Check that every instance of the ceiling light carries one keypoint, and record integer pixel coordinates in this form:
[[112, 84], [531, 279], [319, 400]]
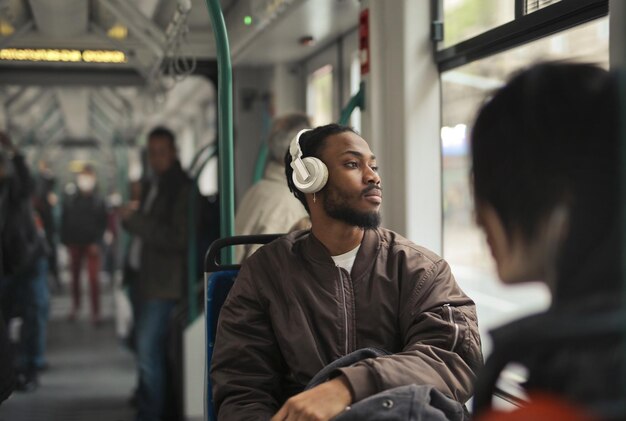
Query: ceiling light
[[118, 32], [6, 28]]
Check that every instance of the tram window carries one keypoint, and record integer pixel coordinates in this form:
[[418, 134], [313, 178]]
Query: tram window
[[186, 146], [355, 80], [531, 6], [319, 96], [207, 182], [464, 19], [463, 91]]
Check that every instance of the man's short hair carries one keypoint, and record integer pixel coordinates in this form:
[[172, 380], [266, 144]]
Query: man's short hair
[[311, 144], [550, 138], [283, 130], [163, 132]]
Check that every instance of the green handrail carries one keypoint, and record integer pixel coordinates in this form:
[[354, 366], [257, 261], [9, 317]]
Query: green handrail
[[622, 98], [225, 127], [358, 100], [192, 248]]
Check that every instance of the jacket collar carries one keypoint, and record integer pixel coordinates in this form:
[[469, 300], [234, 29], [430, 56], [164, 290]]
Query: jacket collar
[[315, 251]]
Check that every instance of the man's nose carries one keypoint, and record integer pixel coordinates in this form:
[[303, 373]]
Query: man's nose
[[371, 176]]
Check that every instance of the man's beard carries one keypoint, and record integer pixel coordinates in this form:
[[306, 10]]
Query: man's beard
[[337, 205]]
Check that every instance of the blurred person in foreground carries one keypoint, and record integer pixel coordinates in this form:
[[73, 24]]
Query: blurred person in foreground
[[23, 285], [546, 182], [268, 207], [159, 226], [7, 371], [312, 297], [83, 222]]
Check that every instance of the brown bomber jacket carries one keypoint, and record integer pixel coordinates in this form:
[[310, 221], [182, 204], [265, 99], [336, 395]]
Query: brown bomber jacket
[[292, 311]]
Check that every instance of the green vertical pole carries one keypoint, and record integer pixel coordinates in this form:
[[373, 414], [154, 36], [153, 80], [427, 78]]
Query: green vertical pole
[[357, 101], [622, 98], [225, 127], [192, 250]]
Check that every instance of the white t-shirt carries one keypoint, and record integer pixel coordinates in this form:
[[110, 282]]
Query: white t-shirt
[[346, 260]]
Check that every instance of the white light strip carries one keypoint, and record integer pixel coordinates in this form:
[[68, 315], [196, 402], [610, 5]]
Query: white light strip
[[62, 55]]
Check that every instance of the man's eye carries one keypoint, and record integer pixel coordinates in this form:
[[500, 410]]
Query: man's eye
[[374, 168]]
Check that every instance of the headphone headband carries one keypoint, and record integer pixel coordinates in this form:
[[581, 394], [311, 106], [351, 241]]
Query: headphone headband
[[309, 174], [296, 155]]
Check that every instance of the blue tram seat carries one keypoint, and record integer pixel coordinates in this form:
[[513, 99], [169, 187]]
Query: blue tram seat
[[219, 280]]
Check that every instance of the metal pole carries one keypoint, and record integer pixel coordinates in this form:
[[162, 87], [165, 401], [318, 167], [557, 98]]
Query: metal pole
[[225, 127]]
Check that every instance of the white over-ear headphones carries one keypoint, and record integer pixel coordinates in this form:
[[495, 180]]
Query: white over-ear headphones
[[309, 174]]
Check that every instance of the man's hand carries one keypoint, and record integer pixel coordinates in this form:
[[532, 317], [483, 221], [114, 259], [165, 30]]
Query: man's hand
[[318, 404], [126, 211]]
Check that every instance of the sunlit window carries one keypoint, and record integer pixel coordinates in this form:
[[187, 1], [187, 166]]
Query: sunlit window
[[463, 91], [464, 19], [319, 96], [355, 80], [531, 6]]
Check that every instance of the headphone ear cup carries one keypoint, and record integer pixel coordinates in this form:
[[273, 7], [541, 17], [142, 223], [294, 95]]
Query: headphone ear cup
[[319, 176]]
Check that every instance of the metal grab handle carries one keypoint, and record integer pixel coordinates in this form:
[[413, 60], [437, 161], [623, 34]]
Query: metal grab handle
[[210, 260]]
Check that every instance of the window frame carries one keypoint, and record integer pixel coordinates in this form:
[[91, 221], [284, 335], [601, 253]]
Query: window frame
[[523, 29]]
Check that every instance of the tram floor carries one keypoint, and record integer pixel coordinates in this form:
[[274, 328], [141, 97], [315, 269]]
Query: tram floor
[[91, 376]]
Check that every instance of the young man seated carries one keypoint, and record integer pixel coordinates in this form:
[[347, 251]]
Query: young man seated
[[314, 296], [546, 176]]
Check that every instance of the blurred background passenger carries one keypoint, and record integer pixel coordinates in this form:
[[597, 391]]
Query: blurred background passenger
[[7, 372], [546, 180], [83, 222], [45, 200], [23, 286], [269, 207], [159, 226]]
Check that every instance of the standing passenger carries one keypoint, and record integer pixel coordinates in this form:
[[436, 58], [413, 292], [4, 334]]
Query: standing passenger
[[83, 223], [314, 296], [159, 226], [268, 207]]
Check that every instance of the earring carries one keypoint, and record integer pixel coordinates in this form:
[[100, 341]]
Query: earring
[[314, 198]]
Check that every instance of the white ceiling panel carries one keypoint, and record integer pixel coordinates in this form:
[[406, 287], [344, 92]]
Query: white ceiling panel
[[61, 18]]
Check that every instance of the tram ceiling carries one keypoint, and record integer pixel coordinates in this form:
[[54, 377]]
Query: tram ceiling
[[49, 50]]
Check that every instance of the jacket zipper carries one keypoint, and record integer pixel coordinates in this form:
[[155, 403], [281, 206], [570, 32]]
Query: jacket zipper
[[456, 326], [345, 310]]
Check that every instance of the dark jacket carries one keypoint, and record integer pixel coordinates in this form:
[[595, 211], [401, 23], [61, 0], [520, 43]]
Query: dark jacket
[[405, 403], [585, 371], [163, 232], [7, 375], [292, 311], [22, 243], [84, 219]]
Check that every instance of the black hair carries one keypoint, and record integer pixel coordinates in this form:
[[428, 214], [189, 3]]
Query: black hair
[[550, 137], [311, 144], [163, 132]]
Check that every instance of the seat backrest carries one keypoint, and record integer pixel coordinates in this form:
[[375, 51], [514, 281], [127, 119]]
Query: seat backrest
[[219, 280], [218, 286]]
